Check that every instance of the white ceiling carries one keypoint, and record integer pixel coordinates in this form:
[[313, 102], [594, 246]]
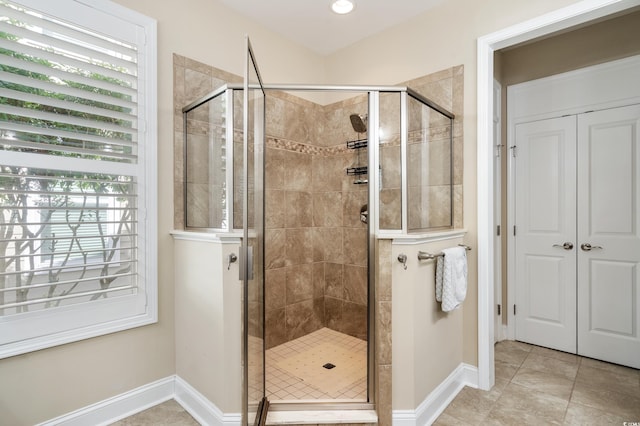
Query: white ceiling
[[313, 24]]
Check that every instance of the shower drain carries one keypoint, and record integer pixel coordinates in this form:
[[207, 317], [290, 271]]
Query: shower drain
[[329, 366]]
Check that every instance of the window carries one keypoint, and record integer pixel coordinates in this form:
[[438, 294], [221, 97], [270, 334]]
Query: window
[[81, 237], [77, 172]]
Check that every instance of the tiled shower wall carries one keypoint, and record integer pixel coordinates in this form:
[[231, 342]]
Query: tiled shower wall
[[315, 244], [191, 80], [446, 88]]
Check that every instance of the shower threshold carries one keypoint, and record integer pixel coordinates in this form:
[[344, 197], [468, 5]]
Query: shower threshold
[[316, 417], [297, 371]]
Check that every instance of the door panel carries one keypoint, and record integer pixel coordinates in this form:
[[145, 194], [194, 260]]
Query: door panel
[[611, 284], [545, 217], [546, 298], [608, 220]]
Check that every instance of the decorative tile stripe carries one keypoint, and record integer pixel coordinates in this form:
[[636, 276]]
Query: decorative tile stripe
[[302, 148]]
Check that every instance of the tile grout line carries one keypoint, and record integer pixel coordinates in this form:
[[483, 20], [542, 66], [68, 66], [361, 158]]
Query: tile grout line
[[575, 379]]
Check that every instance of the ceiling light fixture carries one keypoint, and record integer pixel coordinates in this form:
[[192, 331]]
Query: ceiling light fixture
[[342, 7]]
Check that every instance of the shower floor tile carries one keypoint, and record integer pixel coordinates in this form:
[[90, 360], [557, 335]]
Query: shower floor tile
[[294, 369]]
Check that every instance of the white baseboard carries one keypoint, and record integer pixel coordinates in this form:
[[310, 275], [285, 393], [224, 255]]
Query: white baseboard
[[118, 407], [501, 334], [129, 403], [200, 408], [436, 402], [207, 413]]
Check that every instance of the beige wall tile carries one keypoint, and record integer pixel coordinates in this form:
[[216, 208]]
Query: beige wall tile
[[354, 320], [333, 308], [319, 282], [275, 327], [301, 319], [297, 171], [390, 167], [327, 173], [274, 208], [327, 209], [275, 288], [275, 254], [299, 246], [197, 159], [299, 279], [196, 83], [355, 246], [384, 406], [355, 284], [274, 116], [383, 333], [198, 200], [328, 244], [334, 281], [274, 169], [390, 209], [298, 206], [383, 272], [352, 202]]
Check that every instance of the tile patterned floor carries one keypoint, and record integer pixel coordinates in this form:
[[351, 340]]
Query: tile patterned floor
[[314, 350], [535, 386]]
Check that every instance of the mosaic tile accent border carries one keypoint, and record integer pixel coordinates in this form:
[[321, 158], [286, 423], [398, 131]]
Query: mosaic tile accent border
[[304, 148]]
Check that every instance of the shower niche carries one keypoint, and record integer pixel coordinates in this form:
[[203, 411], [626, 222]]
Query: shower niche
[[323, 211]]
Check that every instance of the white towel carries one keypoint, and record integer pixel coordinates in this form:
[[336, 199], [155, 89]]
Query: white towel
[[451, 278]]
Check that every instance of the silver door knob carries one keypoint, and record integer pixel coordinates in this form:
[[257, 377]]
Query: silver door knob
[[589, 247], [566, 246]]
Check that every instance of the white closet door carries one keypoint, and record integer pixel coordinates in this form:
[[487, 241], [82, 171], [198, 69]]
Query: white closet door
[[545, 173], [609, 221]]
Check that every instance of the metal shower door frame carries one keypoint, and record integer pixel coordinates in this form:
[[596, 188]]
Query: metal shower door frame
[[373, 230]]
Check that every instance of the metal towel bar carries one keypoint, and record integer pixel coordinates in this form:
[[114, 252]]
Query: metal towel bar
[[423, 255]]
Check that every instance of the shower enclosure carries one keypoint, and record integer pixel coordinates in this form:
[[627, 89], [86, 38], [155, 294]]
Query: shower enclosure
[[311, 186]]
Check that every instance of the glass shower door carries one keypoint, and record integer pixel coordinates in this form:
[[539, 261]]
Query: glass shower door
[[255, 404]]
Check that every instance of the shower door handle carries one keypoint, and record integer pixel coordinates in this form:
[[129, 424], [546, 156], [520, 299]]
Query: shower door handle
[[249, 260]]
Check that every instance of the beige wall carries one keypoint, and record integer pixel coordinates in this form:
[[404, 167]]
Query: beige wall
[[427, 343], [604, 41]]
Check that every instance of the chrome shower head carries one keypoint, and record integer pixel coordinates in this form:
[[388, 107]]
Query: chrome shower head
[[359, 123]]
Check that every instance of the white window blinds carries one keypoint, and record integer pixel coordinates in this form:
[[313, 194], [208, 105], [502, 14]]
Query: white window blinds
[[66, 90], [73, 162]]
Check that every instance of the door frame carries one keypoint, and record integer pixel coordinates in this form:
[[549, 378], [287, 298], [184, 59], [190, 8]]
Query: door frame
[[247, 263], [564, 18], [498, 232], [526, 102]]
